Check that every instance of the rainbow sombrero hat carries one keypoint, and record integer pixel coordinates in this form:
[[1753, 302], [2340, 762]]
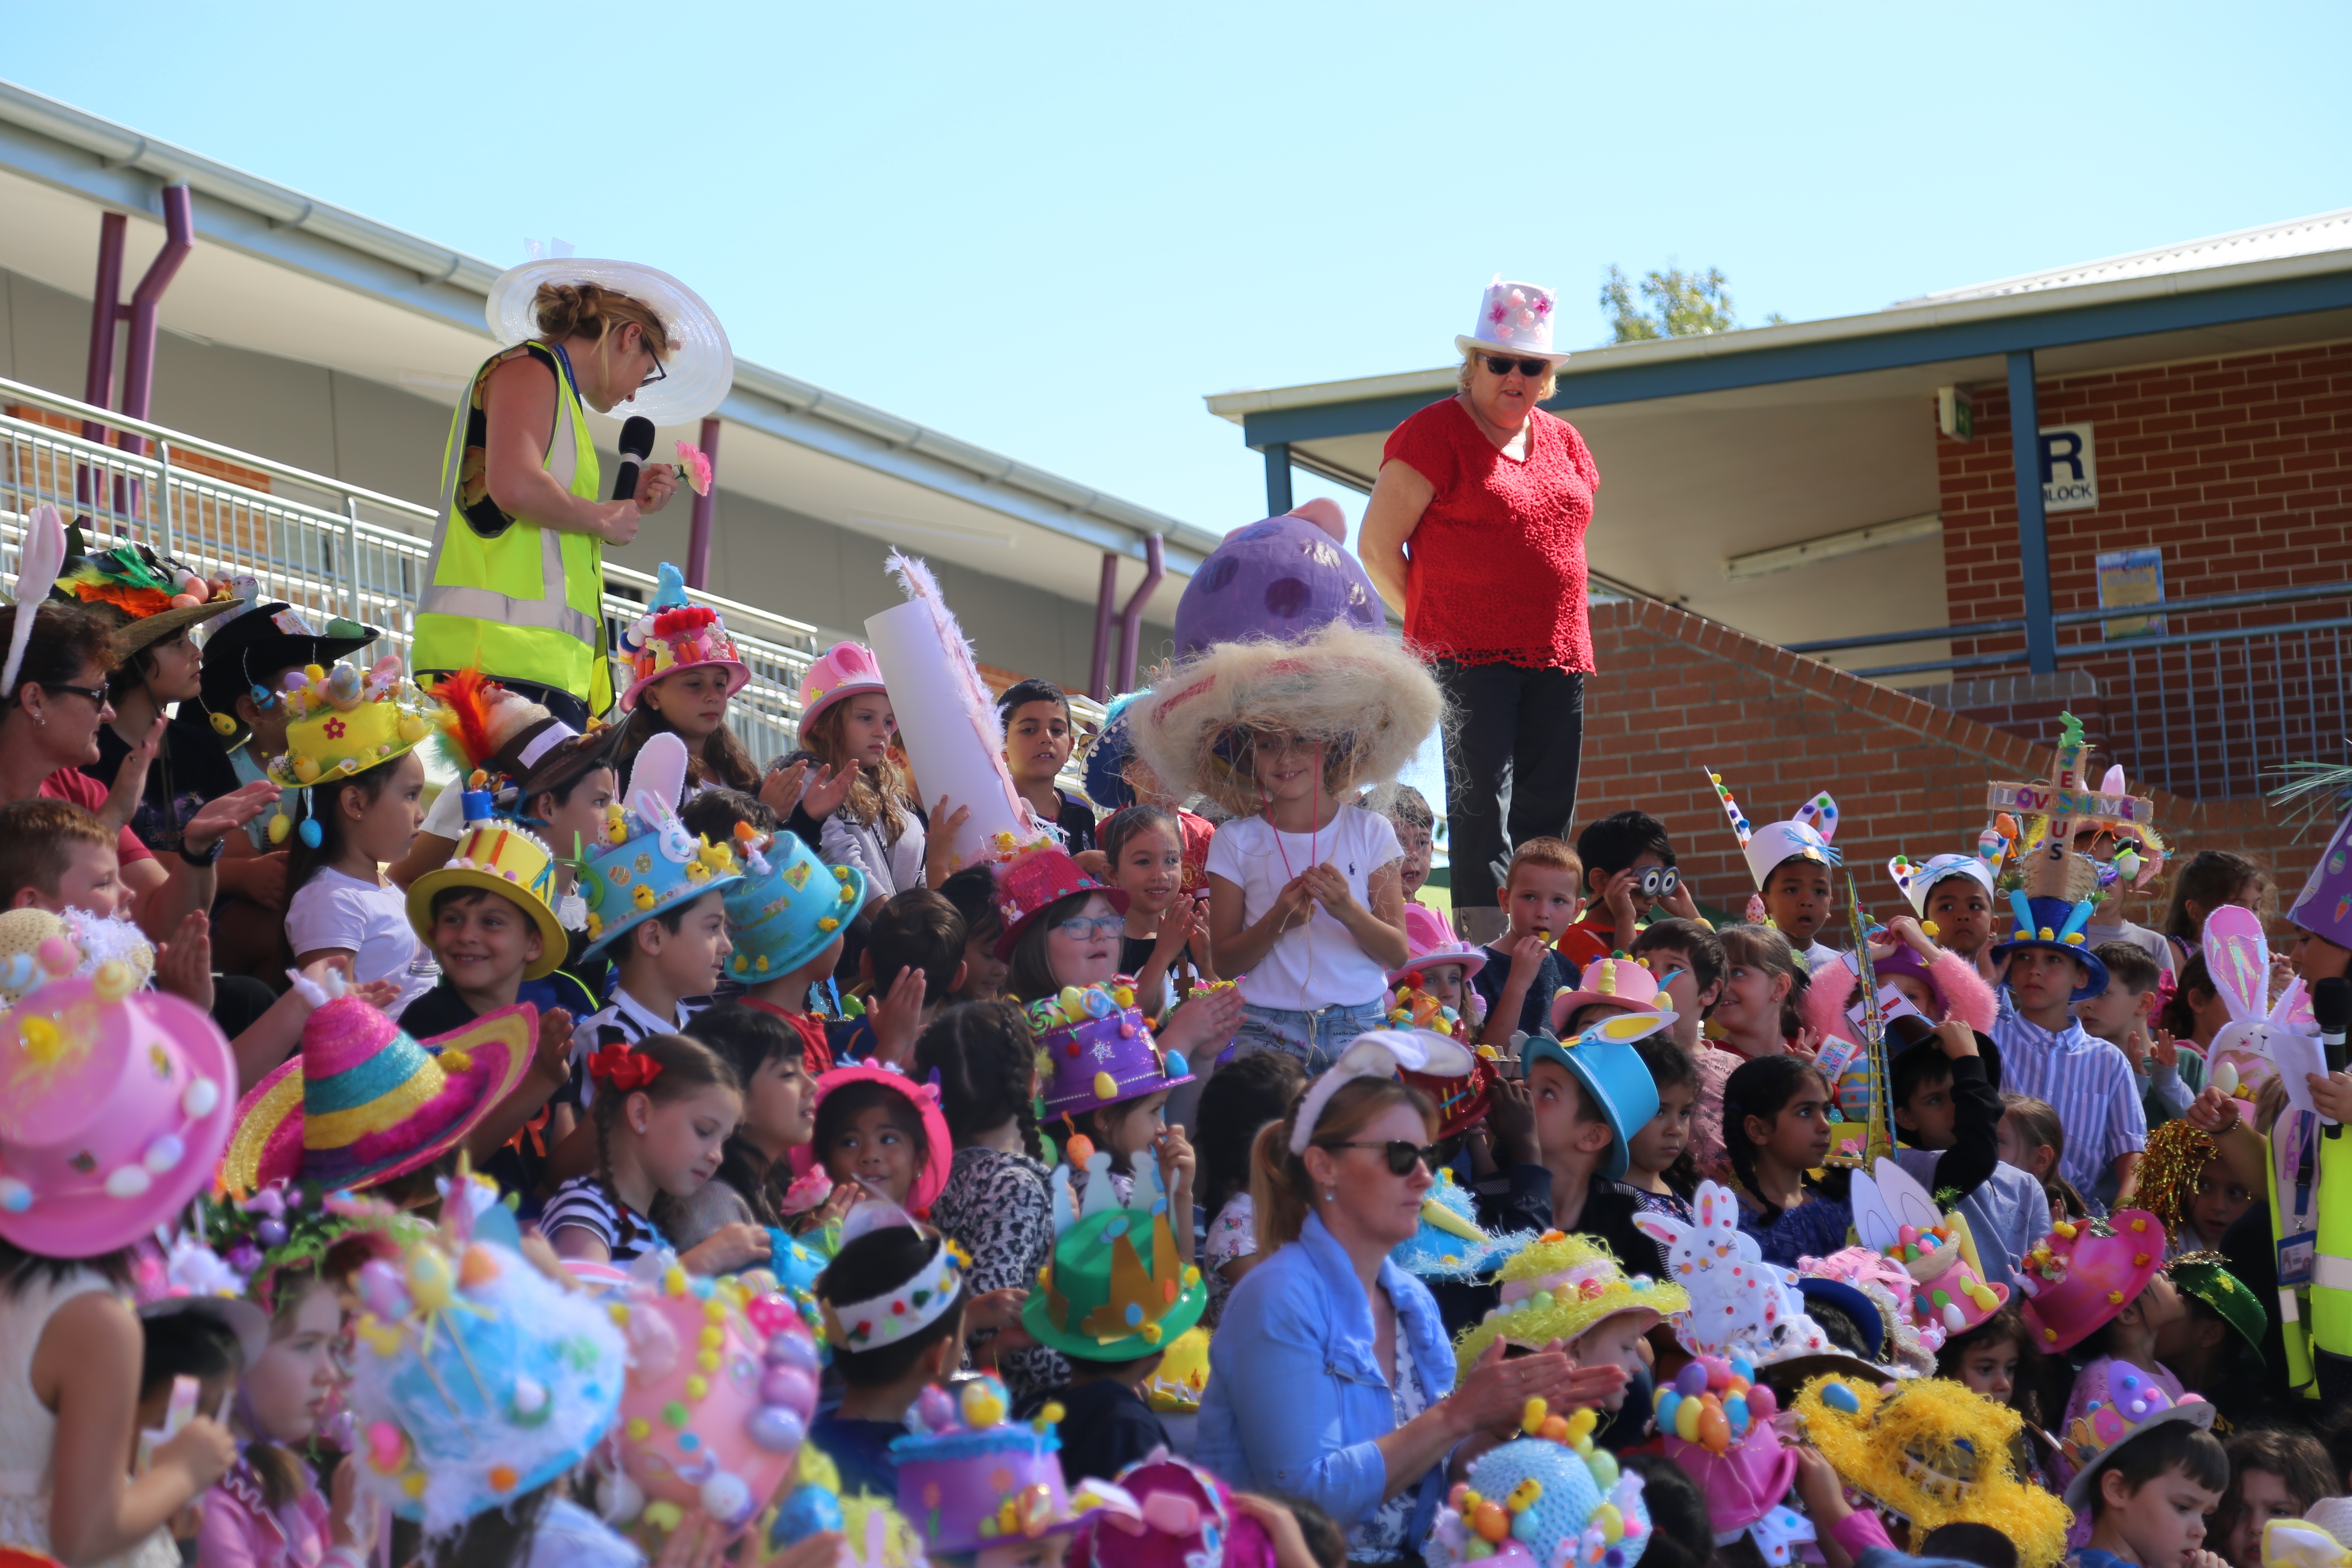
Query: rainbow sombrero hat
[[363, 1102]]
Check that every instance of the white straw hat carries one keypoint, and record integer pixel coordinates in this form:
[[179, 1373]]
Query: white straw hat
[[700, 369]]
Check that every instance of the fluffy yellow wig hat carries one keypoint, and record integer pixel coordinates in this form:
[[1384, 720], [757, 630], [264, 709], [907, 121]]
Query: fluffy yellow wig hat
[[1557, 1288], [1934, 1452]]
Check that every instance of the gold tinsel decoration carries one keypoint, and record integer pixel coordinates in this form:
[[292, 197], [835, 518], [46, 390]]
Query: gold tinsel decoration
[[2176, 1156]]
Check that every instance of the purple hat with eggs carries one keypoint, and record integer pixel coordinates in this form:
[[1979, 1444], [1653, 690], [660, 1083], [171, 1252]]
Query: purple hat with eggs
[[1281, 577], [969, 1479], [2132, 1403], [1101, 1048]]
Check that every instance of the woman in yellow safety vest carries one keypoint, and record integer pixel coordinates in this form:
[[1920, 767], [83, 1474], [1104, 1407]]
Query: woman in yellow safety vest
[[516, 582]]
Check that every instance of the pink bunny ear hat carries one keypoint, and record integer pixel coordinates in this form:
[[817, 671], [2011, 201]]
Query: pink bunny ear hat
[[2260, 1042]]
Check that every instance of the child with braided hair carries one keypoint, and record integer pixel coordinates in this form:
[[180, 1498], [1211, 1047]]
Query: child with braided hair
[[997, 1204], [662, 1112]]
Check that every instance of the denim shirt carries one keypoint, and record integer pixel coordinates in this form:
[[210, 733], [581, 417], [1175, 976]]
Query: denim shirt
[[1296, 1399]]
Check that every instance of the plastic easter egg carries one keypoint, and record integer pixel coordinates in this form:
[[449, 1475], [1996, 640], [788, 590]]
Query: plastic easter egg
[[935, 1408], [1078, 1151], [807, 1510], [310, 833], [983, 1403], [784, 1386], [692, 1416], [1692, 1380], [280, 826], [1714, 1429], [1491, 1523], [1687, 1420], [1762, 1403]]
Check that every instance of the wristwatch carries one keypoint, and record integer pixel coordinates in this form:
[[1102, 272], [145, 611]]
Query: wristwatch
[[204, 859]]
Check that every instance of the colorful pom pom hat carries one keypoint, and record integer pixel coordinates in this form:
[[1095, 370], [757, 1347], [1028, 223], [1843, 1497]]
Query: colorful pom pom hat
[[2057, 925], [1607, 1066], [969, 1479], [1034, 880], [1448, 1243], [1116, 1289], [1185, 1518], [1562, 1286], [675, 634], [844, 670], [1102, 1049], [648, 861], [2133, 1401], [1915, 880], [922, 1098], [1934, 1452], [499, 858], [1805, 837], [1617, 981], [699, 366], [1513, 318], [2086, 1271], [344, 722], [114, 1104], [1550, 1500], [789, 907], [476, 1380], [362, 1102]]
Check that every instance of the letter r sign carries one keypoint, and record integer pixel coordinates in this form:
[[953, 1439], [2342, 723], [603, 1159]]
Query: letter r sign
[[2069, 471]]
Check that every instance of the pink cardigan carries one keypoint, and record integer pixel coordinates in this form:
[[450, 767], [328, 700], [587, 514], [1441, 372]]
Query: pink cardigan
[[242, 1530]]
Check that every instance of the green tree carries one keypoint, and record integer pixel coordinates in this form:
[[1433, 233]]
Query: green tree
[[1670, 304]]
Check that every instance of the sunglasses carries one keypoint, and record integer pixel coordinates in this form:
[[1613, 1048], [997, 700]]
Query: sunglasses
[[1503, 364], [95, 693], [1080, 927], [1401, 1156]]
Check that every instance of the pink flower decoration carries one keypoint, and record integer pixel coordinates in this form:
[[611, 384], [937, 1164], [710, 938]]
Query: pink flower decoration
[[694, 467], [1498, 313], [1543, 306]]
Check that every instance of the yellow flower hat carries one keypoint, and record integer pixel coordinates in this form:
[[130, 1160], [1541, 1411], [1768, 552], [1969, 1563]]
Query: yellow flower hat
[[346, 722]]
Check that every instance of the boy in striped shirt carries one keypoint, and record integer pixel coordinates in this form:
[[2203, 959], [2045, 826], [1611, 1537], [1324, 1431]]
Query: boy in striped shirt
[[2047, 1054]]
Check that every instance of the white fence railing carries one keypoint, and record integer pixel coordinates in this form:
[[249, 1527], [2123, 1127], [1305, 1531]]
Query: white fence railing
[[326, 547]]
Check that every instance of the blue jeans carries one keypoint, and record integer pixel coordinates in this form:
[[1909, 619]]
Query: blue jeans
[[1316, 1038]]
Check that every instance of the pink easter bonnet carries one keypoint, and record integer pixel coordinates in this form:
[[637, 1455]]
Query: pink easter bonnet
[[114, 1105], [2087, 1272], [844, 670]]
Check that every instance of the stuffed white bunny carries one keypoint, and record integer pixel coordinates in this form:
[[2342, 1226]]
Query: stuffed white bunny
[[1737, 1302]]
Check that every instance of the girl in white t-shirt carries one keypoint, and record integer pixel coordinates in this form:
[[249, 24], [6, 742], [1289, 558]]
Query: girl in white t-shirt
[[339, 904], [1306, 894]]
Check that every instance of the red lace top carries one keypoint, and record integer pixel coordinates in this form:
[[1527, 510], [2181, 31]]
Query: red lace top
[[1496, 572]]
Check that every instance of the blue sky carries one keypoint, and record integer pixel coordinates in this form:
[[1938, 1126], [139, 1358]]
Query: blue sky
[[1050, 230]]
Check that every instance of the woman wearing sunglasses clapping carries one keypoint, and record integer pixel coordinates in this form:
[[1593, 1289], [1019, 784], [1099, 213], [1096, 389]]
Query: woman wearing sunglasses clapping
[[1331, 1378]]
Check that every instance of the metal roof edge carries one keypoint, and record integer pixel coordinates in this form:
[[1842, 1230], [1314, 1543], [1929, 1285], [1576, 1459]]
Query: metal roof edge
[[2020, 281], [1074, 509]]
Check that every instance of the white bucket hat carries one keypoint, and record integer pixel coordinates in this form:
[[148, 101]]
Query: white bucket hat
[[1514, 319], [700, 369]]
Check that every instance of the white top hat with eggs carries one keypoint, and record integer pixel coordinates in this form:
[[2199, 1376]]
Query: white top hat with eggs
[[1514, 319]]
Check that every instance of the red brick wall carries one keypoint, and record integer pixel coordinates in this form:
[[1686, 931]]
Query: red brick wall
[[1677, 694], [2240, 469]]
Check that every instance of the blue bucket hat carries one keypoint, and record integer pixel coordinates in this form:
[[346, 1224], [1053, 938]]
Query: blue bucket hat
[[789, 907], [2057, 925], [1604, 1063]]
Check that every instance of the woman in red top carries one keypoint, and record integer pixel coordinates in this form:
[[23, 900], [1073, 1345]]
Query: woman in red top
[[1494, 495]]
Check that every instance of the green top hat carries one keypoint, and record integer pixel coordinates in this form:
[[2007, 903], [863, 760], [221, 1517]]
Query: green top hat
[[1116, 1290]]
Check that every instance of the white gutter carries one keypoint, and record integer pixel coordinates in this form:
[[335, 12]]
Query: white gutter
[[121, 147], [1234, 405]]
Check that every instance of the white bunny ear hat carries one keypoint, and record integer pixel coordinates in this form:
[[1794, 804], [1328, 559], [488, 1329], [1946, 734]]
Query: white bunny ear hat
[[644, 862], [2257, 1034], [1738, 1303], [1378, 1053]]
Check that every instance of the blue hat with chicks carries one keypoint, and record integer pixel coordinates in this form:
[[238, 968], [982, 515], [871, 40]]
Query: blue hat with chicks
[[476, 1379], [1448, 1243], [789, 907], [2056, 925], [1549, 1500], [1607, 1068], [648, 863]]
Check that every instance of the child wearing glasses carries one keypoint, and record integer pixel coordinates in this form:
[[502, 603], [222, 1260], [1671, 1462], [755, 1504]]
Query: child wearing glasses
[[1629, 867], [1306, 892]]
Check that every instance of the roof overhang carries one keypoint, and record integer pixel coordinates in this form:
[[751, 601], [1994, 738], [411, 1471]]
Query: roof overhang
[[278, 273]]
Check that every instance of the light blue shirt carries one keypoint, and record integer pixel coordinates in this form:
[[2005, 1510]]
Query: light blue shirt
[[2086, 1081], [1297, 1399]]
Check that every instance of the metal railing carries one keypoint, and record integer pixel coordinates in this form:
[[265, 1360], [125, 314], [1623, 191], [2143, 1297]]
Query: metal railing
[[324, 546]]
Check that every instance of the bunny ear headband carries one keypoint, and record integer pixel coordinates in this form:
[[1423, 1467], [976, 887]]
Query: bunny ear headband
[[1378, 1053], [42, 556]]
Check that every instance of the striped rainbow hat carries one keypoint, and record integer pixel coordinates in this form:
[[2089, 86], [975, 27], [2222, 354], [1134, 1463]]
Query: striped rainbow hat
[[363, 1102]]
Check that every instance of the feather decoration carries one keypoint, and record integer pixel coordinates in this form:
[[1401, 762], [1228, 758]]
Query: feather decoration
[[979, 704], [126, 577], [465, 728], [39, 559]]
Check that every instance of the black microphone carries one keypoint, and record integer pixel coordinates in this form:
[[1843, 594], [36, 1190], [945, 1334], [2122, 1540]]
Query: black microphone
[[2331, 1006], [636, 445]]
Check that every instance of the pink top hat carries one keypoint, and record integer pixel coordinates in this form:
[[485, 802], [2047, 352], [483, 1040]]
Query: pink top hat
[[932, 1179], [845, 670], [1032, 882], [114, 1105], [1617, 980], [1747, 1481], [2086, 1271], [1185, 1519]]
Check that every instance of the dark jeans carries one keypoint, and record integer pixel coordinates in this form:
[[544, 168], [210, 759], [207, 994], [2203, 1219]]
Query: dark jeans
[[1510, 771], [572, 711]]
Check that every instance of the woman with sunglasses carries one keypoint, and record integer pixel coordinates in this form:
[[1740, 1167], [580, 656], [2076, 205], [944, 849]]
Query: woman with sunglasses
[[1331, 1378], [1494, 496], [516, 584], [53, 702]]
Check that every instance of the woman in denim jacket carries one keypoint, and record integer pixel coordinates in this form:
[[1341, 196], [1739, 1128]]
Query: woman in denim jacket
[[1331, 1378]]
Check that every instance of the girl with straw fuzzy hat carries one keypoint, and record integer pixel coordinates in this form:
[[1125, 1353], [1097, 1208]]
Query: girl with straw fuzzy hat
[[1306, 892]]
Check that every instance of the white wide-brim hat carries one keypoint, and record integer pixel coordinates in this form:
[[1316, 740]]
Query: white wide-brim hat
[[700, 370]]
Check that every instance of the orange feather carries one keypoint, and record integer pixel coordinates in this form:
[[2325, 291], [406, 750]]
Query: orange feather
[[466, 719]]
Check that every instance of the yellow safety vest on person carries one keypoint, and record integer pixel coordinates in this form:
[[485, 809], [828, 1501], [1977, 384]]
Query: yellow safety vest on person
[[2331, 1269], [2295, 1330], [518, 600]]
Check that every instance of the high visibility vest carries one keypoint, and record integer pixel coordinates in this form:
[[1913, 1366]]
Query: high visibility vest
[[525, 603], [2331, 1269], [2295, 1332]]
